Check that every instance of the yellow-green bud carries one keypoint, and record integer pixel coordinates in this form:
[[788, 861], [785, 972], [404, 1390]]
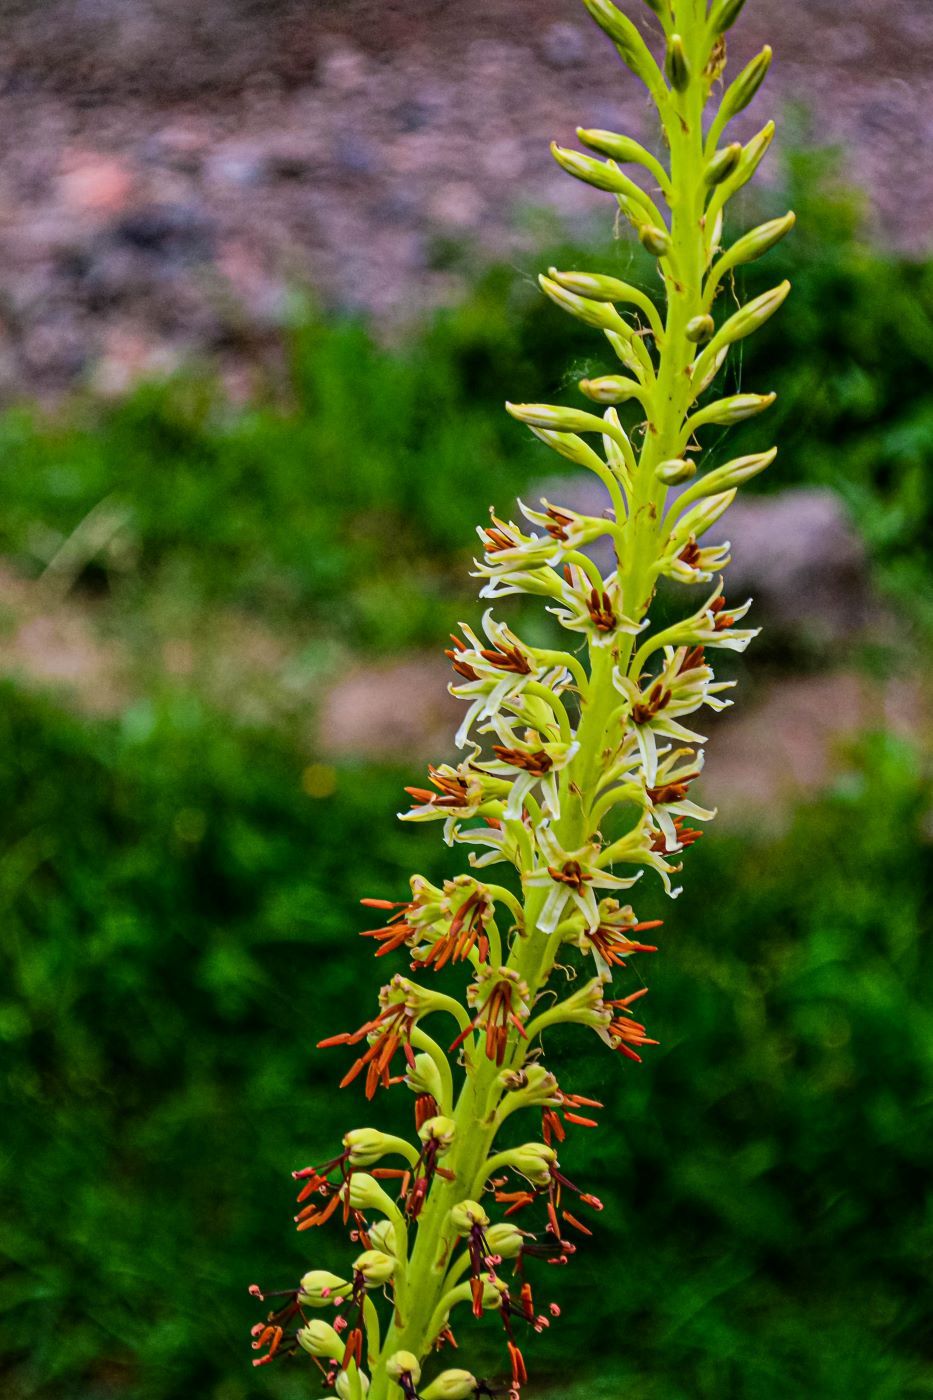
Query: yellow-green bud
[[382, 1236], [403, 1363], [595, 285], [365, 1193], [440, 1130], [735, 409], [723, 163], [318, 1338], [676, 64], [558, 419], [758, 240], [375, 1266], [505, 1239], [424, 1077], [727, 477], [590, 171], [700, 328], [591, 313], [751, 316], [344, 1386], [467, 1214], [610, 388], [631, 46], [318, 1288], [534, 1161], [451, 1385], [675, 470], [740, 93], [612, 143], [724, 15], [656, 241], [366, 1146]]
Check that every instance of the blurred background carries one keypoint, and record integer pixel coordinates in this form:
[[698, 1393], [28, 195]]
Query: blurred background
[[266, 276]]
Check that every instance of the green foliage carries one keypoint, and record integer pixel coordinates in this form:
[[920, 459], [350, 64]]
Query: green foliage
[[174, 906], [327, 505]]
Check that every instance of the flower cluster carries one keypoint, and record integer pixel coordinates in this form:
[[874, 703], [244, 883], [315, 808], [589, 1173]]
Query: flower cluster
[[574, 778]]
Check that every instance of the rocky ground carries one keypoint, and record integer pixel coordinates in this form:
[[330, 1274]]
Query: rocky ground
[[168, 171]]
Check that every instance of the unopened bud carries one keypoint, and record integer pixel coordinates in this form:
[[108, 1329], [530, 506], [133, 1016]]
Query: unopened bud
[[613, 144], [758, 241], [344, 1387], [439, 1130], [752, 315], [656, 241], [451, 1385], [723, 163], [590, 171], [318, 1288], [740, 93], [700, 328], [724, 15], [753, 153], [534, 1161], [595, 285], [464, 1216], [403, 1363], [735, 409], [365, 1193], [675, 470], [424, 1077], [727, 477], [631, 46], [375, 1266], [591, 313], [676, 64], [610, 388], [558, 419], [366, 1146], [505, 1239], [382, 1236], [318, 1338]]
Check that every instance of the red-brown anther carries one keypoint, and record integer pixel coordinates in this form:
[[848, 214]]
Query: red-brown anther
[[397, 930], [425, 1107], [693, 659], [497, 1018], [577, 1225], [600, 610], [538, 762], [353, 1351], [559, 521], [467, 930], [516, 1200], [452, 790], [645, 710], [497, 537], [477, 1288], [519, 1371], [686, 836], [614, 946], [671, 792], [393, 1026], [690, 554], [316, 1215], [462, 668], [511, 659], [570, 873], [624, 1029], [721, 619]]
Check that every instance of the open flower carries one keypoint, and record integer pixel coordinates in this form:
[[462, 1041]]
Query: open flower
[[463, 791], [596, 611], [498, 674], [571, 879], [683, 685], [528, 762], [611, 941]]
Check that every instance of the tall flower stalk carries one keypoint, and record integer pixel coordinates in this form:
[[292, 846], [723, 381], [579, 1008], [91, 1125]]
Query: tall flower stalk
[[577, 779]]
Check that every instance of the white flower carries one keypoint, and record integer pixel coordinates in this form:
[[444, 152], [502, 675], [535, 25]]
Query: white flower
[[597, 612], [684, 684], [498, 674], [570, 878], [527, 762]]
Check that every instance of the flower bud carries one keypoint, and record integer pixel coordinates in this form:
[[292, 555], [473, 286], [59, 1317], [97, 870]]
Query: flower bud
[[751, 316], [740, 93], [318, 1338], [610, 388], [753, 153], [656, 241], [440, 1130], [318, 1288], [505, 1239], [727, 477], [534, 1161], [591, 313], [365, 1193], [631, 46], [375, 1266], [595, 285], [676, 64], [675, 470], [724, 15], [366, 1146], [382, 1237], [600, 174], [344, 1387], [723, 163], [612, 144], [700, 328], [735, 409], [467, 1214], [451, 1385], [424, 1077], [403, 1363], [757, 241]]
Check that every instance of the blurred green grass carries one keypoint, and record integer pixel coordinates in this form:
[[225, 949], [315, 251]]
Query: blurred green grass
[[179, 913]]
